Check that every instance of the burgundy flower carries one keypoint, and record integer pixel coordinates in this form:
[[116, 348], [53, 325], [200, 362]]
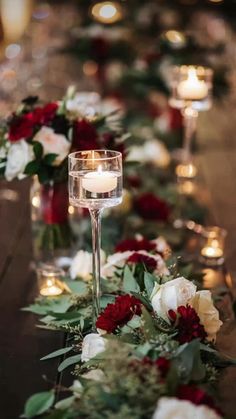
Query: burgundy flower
[[44, 115], [134, 181], [135, 244], [20, 127], [138, 258], [118, 313], [84, 136], [188, 324], [150, 207], [196, 396], [161, 363]]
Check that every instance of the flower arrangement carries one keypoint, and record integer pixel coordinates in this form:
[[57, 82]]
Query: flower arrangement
[[36, 140], [154, 338]]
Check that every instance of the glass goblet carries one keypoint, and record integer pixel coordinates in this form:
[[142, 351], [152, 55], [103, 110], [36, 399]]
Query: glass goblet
[[95, 182]]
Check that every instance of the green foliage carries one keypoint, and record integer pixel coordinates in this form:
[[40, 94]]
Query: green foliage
[[38, 403], [57, 353]]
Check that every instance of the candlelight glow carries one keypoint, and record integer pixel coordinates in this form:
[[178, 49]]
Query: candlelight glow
[[186, 171], [107, 12], [15, 16]]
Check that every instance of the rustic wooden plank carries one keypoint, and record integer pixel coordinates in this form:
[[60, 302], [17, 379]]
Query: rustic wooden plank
[[21, 344]]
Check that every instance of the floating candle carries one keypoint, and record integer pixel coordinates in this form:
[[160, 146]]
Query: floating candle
[[99, 181], [192, 88]]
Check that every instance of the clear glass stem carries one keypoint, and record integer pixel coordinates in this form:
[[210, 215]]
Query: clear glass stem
[[190, 126], [96, 215]]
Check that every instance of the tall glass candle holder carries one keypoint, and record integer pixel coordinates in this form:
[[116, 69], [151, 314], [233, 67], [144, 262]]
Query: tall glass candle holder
[[192, 93], [212, 251], [95, 182]]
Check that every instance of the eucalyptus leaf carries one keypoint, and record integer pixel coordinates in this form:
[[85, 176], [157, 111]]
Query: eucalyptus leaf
[[149, 329], [57, 353], [129, 282], [65, 403], [77, 287], [69, 361], [149, 281], [39, 403]]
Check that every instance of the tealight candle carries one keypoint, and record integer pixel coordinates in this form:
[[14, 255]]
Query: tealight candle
[[212, 251], [99, 181], [49, 280], [192, 88], [50, 289], [187, 170]]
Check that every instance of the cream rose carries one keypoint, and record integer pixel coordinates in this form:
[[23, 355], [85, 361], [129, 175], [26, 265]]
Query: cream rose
[[172, 408], [171, 295], [92, 345], [19, 155], [82, 264], [53, 143], [84, 104], [209, 315], [152, 151]]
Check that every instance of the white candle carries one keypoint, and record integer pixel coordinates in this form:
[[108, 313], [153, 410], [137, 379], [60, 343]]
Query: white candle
[[192, 88], [50, 289], [99, 181]]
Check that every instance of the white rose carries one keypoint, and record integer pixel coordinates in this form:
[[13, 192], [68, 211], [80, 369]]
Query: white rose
[[85, 104], [172, 408], [136, 154], [207, 312], [156, 152], [92, 345], [19, 155], [53, 143], [82, 264], [171, 295], [117, 260], [162, 246]]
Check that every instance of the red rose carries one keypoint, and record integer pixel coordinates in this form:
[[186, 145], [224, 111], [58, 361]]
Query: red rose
[[150, 207], [119, 313], [20, 127], [135, 244], [44, 115], [139, 258], [84, 136], [188, 324], [196, 396]]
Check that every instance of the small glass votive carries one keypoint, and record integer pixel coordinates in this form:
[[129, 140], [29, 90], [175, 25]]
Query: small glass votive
[[186, 171], [191, 86], [49, 280], [212, 251]]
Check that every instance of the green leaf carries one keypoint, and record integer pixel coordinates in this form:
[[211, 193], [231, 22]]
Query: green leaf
[[149, 329], [69, 361], [38, 404], [77, 287], [32, 168], [129, 282], [49, 158], [188, 361], [59, 352], [38, 150], [149, 281]]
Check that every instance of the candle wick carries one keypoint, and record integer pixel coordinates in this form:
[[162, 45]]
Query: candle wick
[[99, 169]]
